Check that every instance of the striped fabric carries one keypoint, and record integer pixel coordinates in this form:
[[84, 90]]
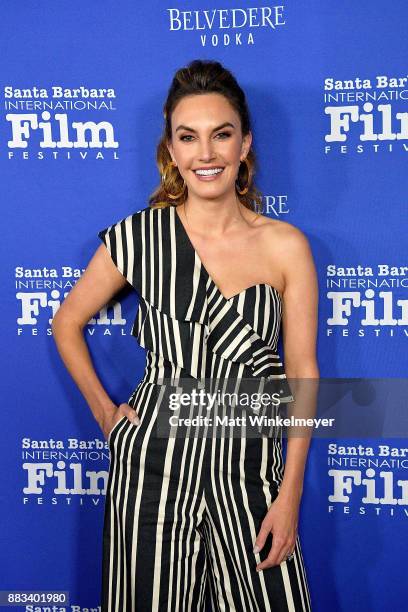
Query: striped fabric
[[183, 319], [182, 514]]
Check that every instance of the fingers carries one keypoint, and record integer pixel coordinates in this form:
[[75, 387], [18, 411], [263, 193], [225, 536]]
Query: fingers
[[281, 548], [131, 414], [134, 418], [123, 410], [260, 540]]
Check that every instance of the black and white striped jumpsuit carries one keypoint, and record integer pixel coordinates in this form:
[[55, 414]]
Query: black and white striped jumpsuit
[[182, 515]]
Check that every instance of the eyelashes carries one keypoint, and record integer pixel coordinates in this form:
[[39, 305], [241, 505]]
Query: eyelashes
[[227, 134]]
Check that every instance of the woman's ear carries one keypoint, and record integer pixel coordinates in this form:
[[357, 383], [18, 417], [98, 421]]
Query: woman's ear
[[246, 144], [170, 149]]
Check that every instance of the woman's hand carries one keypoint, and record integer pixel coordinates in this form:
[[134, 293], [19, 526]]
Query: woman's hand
[[282, 521], [112, 417]]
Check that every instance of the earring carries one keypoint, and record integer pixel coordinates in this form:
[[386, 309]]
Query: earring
[[245, 189], [169, 165]]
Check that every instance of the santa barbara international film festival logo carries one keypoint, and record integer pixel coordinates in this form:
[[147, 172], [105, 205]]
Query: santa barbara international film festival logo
[[67, 471], [366, 115], [367, 300], [40, 292], [367, 480], [223, 27], [60, 123]]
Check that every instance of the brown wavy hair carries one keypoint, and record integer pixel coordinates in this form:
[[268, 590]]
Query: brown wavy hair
[[200, 77]]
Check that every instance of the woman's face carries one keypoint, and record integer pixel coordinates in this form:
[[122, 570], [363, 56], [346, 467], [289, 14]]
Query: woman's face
[[206, 133]]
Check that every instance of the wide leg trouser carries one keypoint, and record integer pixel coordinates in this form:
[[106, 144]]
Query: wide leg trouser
[[181, 518]]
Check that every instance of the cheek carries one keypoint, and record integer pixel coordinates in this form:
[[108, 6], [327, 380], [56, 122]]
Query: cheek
[[231, 152], [185, 159]]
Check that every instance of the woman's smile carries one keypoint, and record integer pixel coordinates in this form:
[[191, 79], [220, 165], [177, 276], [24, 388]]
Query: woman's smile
[[211, 174]]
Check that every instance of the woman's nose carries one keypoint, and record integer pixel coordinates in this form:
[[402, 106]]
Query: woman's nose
[[206, 152]]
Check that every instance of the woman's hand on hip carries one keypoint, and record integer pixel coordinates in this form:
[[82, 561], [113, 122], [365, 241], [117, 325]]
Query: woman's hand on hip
[[112, 417], [281, 521]]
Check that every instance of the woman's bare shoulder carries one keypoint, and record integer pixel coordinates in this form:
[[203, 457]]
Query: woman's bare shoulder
[[276, 232]]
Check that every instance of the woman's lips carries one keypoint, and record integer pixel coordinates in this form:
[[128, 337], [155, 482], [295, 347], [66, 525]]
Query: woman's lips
[[208, 177]]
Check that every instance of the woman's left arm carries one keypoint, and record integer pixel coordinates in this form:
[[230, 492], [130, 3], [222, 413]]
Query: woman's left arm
[[299, 329]]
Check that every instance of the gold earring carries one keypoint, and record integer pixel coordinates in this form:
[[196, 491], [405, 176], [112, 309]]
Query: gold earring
[[169, 165], [245, 189]]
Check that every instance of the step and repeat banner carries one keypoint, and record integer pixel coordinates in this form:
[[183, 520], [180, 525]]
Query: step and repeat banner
[[83, 85]]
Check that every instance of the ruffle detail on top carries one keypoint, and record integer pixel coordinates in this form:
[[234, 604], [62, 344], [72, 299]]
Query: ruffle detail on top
[[182, 315], [187, 343]]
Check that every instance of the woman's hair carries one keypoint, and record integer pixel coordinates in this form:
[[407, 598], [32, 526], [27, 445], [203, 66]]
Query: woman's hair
[[201, 77]]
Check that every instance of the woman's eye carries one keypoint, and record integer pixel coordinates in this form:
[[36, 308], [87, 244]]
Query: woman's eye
[[188, 136]]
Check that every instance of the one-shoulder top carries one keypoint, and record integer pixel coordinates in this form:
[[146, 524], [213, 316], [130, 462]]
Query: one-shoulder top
[[189, 328]]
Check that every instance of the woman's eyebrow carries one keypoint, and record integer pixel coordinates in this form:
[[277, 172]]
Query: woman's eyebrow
[[189, 129]]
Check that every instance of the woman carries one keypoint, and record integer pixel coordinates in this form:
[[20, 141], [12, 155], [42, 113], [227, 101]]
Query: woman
[[215, 515]]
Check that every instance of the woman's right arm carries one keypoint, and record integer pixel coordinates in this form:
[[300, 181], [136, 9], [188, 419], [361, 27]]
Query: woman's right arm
[[98, 284]]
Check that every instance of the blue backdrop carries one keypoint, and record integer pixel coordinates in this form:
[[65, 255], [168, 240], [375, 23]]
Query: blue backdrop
[[327, 87]]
